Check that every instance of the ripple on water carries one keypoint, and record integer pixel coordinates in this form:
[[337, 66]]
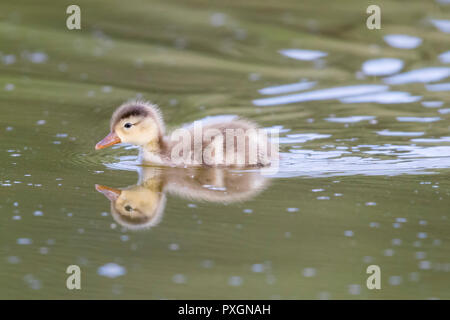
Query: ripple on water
[[382, 67], [292, 87], [445, 57], [432, 104], [423, 75], [438, 87], [418, 119], [441, 25], [399, 133], [351, 119], [302, 137], [323, 94], [432, 140], [402, 41], [389, 97], [405, 159], [302, 54]]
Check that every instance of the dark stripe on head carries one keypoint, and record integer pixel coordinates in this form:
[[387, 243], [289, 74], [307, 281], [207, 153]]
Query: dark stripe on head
[[132, 111], [128, 111]]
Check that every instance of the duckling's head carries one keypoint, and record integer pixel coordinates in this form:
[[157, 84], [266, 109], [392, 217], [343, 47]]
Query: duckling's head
[[135, 122], [138, 207]]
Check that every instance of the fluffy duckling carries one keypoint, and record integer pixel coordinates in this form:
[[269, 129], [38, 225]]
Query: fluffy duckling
[[201, 144], [142, 206]]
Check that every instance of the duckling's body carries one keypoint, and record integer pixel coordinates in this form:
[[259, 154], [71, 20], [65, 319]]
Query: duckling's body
[[232, 142]]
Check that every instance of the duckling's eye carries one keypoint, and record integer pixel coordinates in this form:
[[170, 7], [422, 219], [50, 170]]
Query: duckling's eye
[[128, 208], [128, 125]]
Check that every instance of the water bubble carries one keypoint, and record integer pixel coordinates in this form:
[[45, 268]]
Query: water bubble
[[354, 289], [258, 267], [38, 57], [424, 265], [207, 264], [111, 270], [34, 283], [24, 241], [235, 281], [348, 233], [422, 235], [179, 278], [395, 280], [309, 272], [218, 19], [420, 255], [9, 87], [13, 259], [8, 59]]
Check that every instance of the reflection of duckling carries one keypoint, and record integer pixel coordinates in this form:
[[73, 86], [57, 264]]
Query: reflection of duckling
[[142, 205], [141, 123]]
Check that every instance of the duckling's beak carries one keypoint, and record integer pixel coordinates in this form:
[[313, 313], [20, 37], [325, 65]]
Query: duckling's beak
[[109, 140], [111, 193]]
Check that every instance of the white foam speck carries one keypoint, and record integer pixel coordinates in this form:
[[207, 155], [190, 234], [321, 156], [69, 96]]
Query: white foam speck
[[235, 281], [382, 67], [258, 267], [24, 241], [309, 272], [418, 119], [111, 270], [399, 133], [9, 87], [432, 104], [445, 57], [351, 119], [285, 88], [179, 278], [442, 25], [438, 87], [354, 289], [402, 41], [322, 94], [301, 54], [423, 75], [38, 57]]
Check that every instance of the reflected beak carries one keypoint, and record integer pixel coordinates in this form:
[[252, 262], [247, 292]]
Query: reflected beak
[[111, 193], [111, 139]]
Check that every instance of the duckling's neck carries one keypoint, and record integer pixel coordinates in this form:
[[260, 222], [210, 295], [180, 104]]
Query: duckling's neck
[[153, 146], [153, 152]]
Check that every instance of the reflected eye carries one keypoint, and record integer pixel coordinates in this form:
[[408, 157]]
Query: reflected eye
[[128, 125], [128, 208]]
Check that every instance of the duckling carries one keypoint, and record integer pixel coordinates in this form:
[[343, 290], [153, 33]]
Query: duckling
[[141, 206], [234, 143]]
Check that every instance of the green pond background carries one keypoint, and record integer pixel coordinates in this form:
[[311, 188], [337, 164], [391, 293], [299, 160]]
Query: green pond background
[[350, 199]]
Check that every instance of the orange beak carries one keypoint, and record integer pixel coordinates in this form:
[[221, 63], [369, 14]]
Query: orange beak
[[111, 193], [111, 139]]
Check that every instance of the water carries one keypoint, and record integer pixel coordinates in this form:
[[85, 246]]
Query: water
[[364, 134]]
